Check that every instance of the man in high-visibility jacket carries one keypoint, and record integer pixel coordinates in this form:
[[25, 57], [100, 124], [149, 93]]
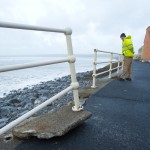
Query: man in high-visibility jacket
[[128, 52]]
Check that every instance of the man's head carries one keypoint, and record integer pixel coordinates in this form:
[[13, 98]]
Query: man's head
[[122, 36]]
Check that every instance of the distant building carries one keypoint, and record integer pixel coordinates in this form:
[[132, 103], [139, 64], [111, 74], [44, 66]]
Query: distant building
[[140, 52], [145, 50]]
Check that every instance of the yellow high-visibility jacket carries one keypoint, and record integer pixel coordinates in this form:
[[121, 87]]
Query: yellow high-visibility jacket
[[127, 47]]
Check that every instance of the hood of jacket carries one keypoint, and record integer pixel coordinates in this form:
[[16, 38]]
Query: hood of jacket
[[128, 37]]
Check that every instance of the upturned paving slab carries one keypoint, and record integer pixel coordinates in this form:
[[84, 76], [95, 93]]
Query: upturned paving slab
[[55, 123]]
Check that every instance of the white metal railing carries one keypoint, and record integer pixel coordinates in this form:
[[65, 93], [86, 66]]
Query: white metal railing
[[70, 59], [110, 63]]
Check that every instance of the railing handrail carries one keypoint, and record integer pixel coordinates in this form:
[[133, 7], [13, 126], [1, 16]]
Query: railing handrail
[[106, 52], [110, 68], [31, 65], [103, 62], [71, 59], [31, 27]]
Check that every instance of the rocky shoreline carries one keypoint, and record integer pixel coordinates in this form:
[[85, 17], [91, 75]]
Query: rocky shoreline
[[18, 102]]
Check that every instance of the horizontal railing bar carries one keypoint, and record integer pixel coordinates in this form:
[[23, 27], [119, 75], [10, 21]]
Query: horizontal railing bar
[[114, 68], [30, 27], [31, 65], [34, 110], [105, 62], [102, 73], [107, 52], [106, 71], [102, 62]]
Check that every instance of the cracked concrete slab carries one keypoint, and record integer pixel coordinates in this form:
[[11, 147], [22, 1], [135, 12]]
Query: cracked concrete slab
[[55, 123]]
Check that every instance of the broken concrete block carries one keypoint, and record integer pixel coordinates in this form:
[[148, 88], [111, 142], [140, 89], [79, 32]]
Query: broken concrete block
[[55, 123]]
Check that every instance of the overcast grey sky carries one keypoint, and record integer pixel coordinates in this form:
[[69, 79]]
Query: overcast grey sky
[[95, 24]]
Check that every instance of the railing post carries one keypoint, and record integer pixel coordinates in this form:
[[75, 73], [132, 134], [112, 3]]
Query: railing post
[[110, 69], [119, 59], [94, 69], [122, 59], [74, 83]]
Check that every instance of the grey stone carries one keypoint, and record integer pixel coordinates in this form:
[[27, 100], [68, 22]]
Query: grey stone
[[23, 113], [37, 101], [43, 98], [55, 123], [23, 104], [5, 111], [28, 106], [14, 101], [3, 122]]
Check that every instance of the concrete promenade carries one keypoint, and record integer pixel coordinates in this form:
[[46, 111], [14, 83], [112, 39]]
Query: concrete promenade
[[120, 119]]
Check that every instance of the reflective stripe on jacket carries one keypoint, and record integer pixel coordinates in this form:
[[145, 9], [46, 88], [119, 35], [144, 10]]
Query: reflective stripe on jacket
[[127, 47]]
